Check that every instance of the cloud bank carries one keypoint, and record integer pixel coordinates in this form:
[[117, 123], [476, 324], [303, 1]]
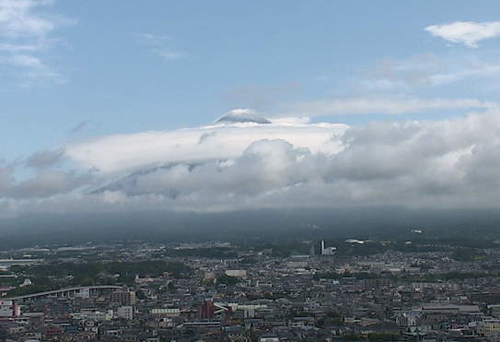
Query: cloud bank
[[282, 164], [223, 140]]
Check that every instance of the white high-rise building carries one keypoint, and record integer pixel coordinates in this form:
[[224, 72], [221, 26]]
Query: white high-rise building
[[327, 250]]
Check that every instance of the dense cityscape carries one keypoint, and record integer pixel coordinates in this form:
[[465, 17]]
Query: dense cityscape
[[220, 291]]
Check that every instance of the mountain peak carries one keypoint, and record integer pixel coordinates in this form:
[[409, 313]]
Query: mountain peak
[[242, 116]]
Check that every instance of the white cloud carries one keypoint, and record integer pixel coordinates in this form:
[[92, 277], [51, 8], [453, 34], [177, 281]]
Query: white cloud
[[118, 153], [382, 105], [426, 70], [153, 39], [481, 70], [17, 19], [26, 61], [231, 166], [32, 70], [450, 163], [466, 32], [26, 30], [389, 74], [160, 45], [9, 47], [171, 55]]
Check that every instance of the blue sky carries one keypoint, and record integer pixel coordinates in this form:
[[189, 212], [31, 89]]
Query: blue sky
[[75, 71], [119, 84]]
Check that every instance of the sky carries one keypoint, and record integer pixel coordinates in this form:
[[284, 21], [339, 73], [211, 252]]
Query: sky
[[229, 105]]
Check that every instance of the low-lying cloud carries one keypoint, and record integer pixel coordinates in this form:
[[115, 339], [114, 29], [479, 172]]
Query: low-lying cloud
[[222, 167], [125, 152], [44, 159], [43, 185]]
